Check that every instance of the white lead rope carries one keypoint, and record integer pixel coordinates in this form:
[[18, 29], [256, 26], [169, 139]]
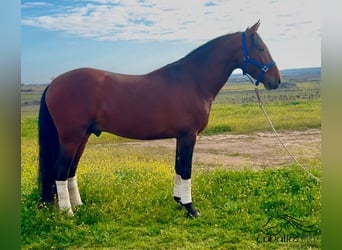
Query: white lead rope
[[277, 135]]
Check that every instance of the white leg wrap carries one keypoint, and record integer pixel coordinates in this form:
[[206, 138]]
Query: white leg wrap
[[74, 194], [177, 186], [186, 191], [63, 197]]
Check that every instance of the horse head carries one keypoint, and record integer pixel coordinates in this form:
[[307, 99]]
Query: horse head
[[257, 60]]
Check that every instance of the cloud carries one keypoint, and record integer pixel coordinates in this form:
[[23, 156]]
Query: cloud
[[194, 20], [34, 4]]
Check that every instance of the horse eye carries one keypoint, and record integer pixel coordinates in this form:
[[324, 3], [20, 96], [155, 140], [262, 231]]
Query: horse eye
[[261, 49]]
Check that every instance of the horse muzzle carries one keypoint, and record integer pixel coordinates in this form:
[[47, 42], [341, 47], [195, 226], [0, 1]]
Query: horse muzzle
[[272, 84]]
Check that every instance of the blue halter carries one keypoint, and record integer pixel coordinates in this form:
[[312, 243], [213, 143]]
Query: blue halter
[[247, 59]]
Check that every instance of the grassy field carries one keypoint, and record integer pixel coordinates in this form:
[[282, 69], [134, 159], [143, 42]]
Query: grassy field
[[128, 193]]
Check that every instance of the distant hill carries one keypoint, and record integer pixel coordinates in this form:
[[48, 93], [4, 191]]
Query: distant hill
[[287, 75], [300, 75]]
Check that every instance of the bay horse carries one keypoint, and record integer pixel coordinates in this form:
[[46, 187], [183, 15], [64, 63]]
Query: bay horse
[[171, 102]]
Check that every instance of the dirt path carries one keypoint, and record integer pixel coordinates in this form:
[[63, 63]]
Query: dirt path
[[257, 151]]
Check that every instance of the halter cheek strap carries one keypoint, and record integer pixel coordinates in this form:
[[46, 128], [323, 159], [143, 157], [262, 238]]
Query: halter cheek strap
[[247, 59]]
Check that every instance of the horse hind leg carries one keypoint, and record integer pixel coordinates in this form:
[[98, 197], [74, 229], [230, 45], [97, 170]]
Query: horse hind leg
[[63, 197], [75, 197], [66, 157]]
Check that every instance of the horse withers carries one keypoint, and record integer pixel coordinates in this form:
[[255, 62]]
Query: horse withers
[[171, 102]]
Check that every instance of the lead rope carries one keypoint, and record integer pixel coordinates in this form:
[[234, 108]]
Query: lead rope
[[277, 135], [279, 139]]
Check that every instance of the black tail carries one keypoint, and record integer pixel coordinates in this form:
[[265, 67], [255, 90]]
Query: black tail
[[48, 151]]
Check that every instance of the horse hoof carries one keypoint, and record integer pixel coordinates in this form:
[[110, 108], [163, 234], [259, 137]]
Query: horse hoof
[[67, 212], [192, 212], [194, 215]]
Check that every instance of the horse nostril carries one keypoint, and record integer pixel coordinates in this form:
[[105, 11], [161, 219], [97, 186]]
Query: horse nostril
[[279, 81]]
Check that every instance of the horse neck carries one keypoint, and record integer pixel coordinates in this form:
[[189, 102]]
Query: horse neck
[[208, 67], [214, 65]]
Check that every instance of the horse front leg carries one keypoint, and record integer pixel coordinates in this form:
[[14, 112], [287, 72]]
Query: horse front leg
[[182, 181]]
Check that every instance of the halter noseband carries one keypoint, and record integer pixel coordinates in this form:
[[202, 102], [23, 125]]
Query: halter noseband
[[247, 59]]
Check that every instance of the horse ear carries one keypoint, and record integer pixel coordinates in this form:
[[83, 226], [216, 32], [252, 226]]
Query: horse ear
[[255, 27]]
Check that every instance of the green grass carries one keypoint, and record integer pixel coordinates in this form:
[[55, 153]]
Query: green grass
[[127, 195], [248, 118], [128, 204]]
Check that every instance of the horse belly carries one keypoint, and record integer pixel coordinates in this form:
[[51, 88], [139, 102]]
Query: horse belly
[[153, 118], [136, 125]]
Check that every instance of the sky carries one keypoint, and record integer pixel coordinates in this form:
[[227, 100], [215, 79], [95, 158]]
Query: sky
[[138, 36]]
